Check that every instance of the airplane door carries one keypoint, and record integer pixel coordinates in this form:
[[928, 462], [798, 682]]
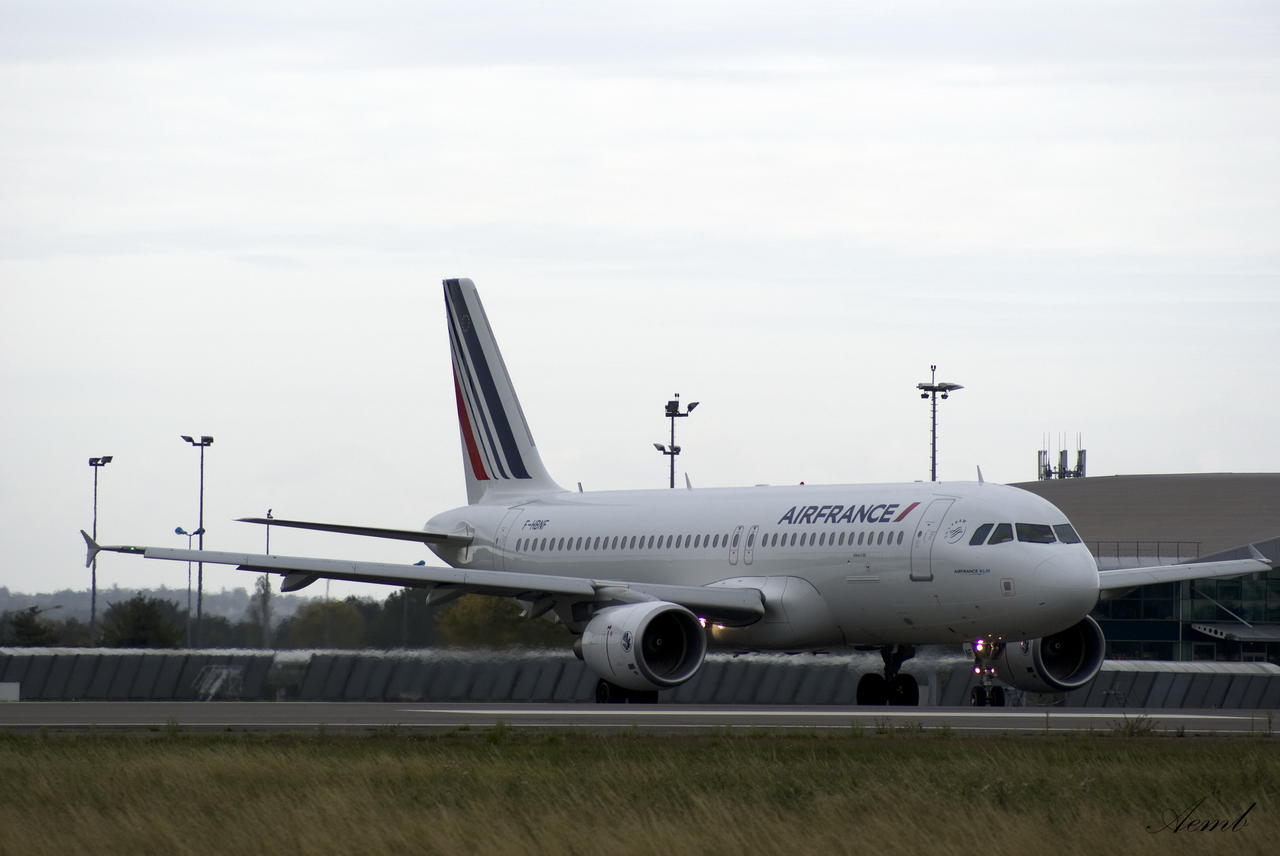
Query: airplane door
[[748, 552], [926, 534], [509, 525], [733, 546]]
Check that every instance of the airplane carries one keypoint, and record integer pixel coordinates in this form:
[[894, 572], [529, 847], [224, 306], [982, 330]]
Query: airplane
[[649, 580]]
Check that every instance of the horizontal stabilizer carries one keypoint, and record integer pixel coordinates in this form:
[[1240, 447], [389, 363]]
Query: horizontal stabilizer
[[422, 536]]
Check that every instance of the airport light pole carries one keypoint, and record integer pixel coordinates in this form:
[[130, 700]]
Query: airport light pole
[[97, 464], [673, 413], [203, 443], [930, 390], [180, 531]]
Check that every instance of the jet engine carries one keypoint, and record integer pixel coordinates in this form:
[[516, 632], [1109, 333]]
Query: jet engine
[[1054, 664], [644, 646]]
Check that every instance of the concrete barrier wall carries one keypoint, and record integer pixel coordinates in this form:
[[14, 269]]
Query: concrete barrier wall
[[555, 676]]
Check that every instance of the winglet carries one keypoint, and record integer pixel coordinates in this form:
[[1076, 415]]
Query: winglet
[[980, 481], [687, 484], [93, 547], [1256, 555]]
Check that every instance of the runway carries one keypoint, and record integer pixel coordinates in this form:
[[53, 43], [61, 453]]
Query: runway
[[374, 717]]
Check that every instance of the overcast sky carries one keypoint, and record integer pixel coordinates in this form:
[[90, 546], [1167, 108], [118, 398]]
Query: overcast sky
[[233, 219]]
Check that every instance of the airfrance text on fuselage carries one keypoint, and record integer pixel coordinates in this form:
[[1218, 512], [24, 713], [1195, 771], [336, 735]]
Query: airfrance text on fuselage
[[815, 514]]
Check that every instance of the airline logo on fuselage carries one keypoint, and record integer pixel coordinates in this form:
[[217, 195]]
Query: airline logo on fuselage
[[822, 514]]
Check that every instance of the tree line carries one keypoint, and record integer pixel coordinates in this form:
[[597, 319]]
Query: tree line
[[402, 620]]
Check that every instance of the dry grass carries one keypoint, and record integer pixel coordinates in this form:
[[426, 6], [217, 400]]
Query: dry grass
[[515, 792]]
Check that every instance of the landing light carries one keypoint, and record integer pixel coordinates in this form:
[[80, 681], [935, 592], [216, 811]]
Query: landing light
[[702, 622]]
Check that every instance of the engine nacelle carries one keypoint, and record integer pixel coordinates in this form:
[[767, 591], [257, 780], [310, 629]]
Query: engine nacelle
[[644, 646], [1055, 664]]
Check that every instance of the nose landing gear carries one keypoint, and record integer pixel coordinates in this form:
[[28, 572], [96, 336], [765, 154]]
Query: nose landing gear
[[985, 694], [892, 687]]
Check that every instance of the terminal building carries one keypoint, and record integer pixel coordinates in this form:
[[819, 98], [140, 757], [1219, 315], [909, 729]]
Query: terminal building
[[1143, 520]]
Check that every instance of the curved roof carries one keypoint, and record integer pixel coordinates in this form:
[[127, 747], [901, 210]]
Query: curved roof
[[1220, 510]]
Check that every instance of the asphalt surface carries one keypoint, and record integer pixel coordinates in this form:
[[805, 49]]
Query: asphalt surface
[[369, 717]]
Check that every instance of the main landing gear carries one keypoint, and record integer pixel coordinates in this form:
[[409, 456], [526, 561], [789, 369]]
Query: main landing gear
[[986, 694], [607, 693], [892, 687]]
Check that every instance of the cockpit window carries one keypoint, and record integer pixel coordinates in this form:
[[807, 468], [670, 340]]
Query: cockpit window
[[980, 534], [1004, 532], [1036, 533], [1066, 534]]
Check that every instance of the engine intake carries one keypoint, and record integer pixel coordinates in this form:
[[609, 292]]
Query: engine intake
[[1054, 664], [644, 646]]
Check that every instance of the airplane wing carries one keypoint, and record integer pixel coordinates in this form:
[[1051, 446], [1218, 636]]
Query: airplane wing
[[720, 604], [1115, 583], [424, 536]]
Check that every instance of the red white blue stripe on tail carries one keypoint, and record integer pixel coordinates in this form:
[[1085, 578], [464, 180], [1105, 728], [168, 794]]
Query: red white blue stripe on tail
[[498, 449]]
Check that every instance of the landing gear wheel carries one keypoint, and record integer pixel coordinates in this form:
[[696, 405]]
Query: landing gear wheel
[[607, 693], [995, 697], [904, 691], [978, 698], [873, 689]]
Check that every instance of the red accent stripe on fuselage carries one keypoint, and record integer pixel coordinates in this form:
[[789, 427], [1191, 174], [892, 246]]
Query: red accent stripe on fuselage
[[905, 512]]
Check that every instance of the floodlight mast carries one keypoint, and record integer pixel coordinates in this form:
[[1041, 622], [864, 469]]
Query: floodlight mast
[[930, 390], [203, 443], [673, 413], [97, 464]]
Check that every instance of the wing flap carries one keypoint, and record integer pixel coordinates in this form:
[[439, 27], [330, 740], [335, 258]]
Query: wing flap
[[716, 603]]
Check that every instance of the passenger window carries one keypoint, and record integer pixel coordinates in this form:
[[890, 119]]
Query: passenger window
[[1035, 533], [822, 542], [751, 539], [860, 534], [615, 542], [716, 542], [841, 539], [1066, 534], [597, 546], [678, 537], [1003, 533], [774, 542], [579, 547], [980, 534], [697, 541], [736, 536], [880, 540], [900, 534]]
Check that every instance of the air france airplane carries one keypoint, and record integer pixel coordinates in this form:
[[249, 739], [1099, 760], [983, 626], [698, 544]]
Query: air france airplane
[[649, 580]]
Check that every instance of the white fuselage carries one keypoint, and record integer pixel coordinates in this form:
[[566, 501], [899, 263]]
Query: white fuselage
[[839, 565]]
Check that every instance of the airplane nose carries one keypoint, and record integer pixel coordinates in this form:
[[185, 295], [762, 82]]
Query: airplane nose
[[1069, 571], [1070, 580]]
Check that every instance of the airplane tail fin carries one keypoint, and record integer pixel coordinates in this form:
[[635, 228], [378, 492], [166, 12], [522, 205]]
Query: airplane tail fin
[[499, 456]]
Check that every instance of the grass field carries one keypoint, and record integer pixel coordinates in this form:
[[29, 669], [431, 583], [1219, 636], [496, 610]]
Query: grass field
[[504, 791]]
